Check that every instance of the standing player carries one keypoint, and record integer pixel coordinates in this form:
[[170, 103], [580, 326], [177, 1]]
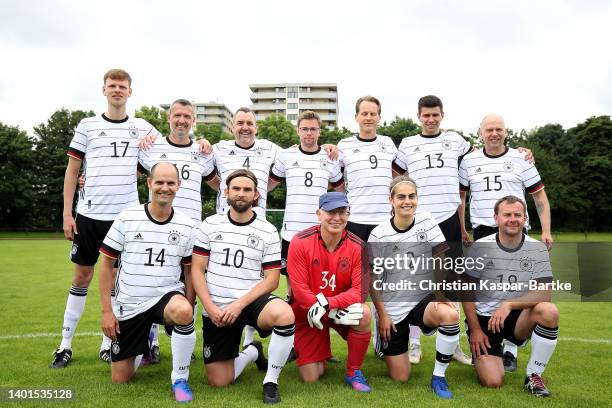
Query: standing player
[[515, 314], [432, 160], [108, 146], [367, 161], [497, 171], [153, 241], [420, 236], [325, 266], [237, 266], [308, 172], [179, 149], [494, 172]]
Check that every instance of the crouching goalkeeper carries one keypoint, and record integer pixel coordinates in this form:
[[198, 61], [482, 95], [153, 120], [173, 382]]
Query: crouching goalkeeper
[[329, 286]]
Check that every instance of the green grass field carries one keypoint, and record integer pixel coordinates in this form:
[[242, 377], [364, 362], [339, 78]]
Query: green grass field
[[36, 275]]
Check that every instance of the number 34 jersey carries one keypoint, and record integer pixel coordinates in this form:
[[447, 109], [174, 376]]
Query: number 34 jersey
[[239, 253], [341, 275], [151, 256], [109, 149]]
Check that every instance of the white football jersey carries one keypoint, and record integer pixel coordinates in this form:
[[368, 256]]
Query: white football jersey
[[368, 173], [307, 176], [433, 163], [489, 178], [192, 167], [109, 150], [151, 256], [421, 240], [259, 159], [239, 253], [530, 261]]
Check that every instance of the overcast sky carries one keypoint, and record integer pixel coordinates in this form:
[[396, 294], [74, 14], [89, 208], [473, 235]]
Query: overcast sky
[[534, 62]]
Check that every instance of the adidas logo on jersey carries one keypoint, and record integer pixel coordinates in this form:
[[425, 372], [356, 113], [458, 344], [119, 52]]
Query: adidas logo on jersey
[[219, 238], [102, 133], [232, 153], [138, 237], [356, 151], [296, 164], [478, 170], [163, 156], [416, 149], [490, 263]]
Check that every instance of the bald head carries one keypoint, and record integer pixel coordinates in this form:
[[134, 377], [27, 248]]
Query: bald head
[[164, 168], [492, 118], [493, 133]]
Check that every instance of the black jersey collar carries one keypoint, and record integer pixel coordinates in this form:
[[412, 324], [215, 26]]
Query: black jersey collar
[[244, 148], [153, 220], [171, 143], [490, 156], [241, 224], [310, 153], [115, 120], [400, 230], [366, 140], [506, 249], [431, 136]]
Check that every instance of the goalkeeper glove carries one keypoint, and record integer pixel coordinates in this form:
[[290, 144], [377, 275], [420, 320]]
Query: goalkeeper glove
[[348, 316], [317, 311]]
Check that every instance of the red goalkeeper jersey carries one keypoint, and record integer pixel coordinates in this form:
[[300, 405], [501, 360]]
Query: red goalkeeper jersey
[[340, 275]]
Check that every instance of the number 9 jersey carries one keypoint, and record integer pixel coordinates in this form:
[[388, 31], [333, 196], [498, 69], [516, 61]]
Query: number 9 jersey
[[342, 275]]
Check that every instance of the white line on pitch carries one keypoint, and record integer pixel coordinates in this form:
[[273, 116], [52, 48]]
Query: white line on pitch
[[96, 334]]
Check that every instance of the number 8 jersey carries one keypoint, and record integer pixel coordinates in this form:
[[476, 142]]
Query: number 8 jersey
[[109, 149]]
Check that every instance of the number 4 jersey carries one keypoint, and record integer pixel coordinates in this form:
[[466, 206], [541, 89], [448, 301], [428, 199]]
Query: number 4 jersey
[[151, 256], [109, 150]]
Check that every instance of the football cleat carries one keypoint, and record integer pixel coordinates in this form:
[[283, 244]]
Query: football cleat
[[415, 354], [61, 358], [461, 357], [154, 354], [440, 387], [181, 390], [358, 382], [105, 356], [262, 361], [535, 385], [270, 393], [333, 360], [509, 362]]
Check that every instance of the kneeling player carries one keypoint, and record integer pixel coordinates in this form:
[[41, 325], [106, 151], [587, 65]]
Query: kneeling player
[[325, 265], [509, 311], [237, 266], [153, 240], [396, 310]]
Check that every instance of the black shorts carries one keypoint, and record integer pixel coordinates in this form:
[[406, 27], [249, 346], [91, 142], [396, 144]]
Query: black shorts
[[482, 231], [284, 255], [223, 343], [361, 230], [398, 344], [86, 245], [134, 333], [496, 339], [451, 228]]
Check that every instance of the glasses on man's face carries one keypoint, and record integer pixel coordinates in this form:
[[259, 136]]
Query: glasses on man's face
[[343, 213], [307, 129]]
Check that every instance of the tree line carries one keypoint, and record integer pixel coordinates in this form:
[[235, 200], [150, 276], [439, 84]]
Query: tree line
[[574, 164]]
